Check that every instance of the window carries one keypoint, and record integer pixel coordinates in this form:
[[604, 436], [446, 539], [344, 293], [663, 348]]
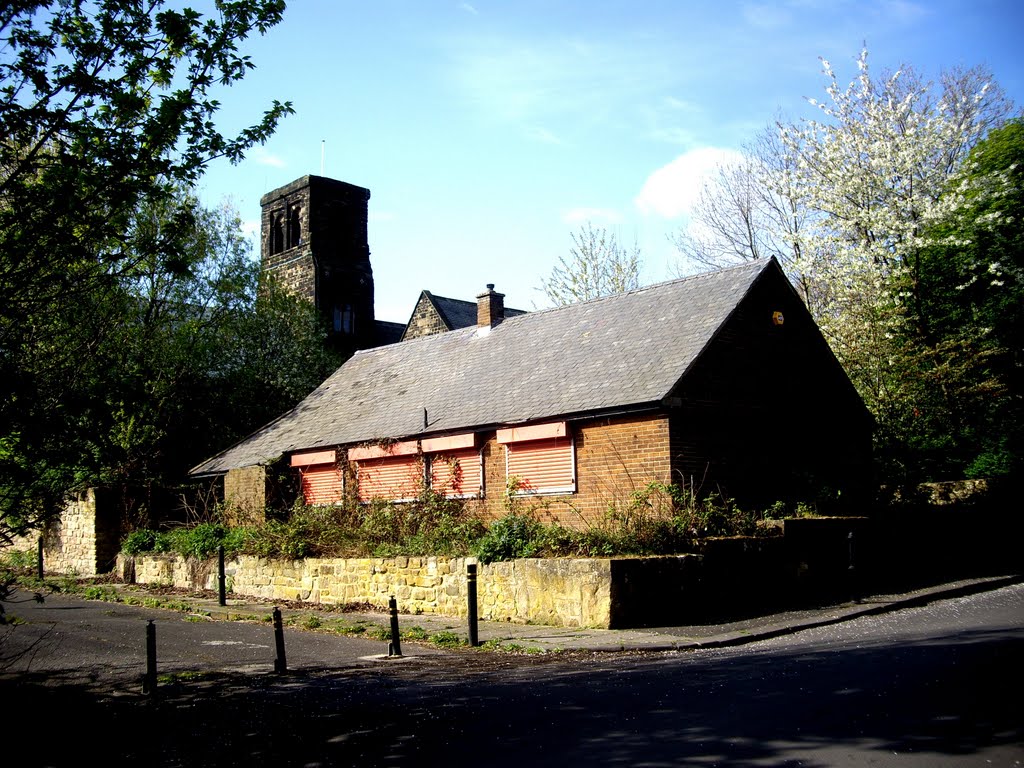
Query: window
[[344, 320], [541, 457], [455, 467], [294, 226], [321, 480], [393, 472], [276, 232]]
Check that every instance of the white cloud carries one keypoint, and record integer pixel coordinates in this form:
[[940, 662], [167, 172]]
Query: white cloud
[[671, 190], [469, 9], [260, 155], [583, 215]]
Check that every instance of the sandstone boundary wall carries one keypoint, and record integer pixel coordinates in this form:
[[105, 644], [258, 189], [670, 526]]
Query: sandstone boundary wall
[[556, 591]]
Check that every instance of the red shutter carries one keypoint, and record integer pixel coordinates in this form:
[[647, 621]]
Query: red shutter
[[542, 466], [467, 482], [395, 478], [321, 484]]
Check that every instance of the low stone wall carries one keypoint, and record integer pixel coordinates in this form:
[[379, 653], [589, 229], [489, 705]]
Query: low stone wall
[[557, 592]]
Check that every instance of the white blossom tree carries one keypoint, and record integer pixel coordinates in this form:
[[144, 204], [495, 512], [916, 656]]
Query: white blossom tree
[[873, 176], [852, 203], [597, 265]]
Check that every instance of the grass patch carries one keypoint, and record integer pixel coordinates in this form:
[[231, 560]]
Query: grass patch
[[448, 639]]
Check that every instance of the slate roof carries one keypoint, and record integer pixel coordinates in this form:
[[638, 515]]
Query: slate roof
[[388, 332], [614, 353], [457, 313]]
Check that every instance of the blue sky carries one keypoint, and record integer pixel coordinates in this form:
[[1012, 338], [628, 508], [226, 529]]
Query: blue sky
[[488, 132]]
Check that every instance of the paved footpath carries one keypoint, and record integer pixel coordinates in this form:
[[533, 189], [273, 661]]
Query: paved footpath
[[531, 637]]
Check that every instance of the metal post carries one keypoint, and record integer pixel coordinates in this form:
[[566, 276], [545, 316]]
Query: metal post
[[149, 681], [851, 568], [280, 664], [39, 559], [395, 649], [471, 597], [222, 598]]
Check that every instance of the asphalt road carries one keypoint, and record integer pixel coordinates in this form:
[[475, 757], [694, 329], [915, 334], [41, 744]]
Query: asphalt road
[[938, 685], [105, 643]]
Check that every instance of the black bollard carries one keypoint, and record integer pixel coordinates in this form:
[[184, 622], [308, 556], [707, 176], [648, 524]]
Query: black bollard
[[280, 664], [222, 598], [149, 681], [395, 649], [471, 597], [851, 570], [39, 560]]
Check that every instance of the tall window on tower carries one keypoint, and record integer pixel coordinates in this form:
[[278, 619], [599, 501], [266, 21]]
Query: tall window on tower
[[294, 226], [344, 319], [276, 232]]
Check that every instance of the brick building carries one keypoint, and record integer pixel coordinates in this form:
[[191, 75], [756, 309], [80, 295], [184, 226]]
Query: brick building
[[721, 380]]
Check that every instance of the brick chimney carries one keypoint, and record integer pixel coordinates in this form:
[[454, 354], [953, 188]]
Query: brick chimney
[[490, 308]]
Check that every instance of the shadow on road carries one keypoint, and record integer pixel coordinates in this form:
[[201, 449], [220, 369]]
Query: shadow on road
[[944, 698]]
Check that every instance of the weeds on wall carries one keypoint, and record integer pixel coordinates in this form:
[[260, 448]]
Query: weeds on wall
[[659, 519], [432, 525]]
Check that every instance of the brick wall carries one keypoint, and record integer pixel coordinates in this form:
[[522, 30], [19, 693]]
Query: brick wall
[[614, 458], [245, 495]]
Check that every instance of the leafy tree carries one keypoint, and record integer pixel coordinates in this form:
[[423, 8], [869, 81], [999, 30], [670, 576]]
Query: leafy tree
[[202, 356], [597, 265], [106, 110], [873, 177], [971, 310], [741, 216], [853, 205]]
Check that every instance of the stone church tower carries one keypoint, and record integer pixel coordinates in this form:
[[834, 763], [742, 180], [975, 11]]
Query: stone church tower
[[314, 243]]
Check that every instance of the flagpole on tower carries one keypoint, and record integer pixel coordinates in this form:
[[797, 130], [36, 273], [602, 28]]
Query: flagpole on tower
[[323, 151]]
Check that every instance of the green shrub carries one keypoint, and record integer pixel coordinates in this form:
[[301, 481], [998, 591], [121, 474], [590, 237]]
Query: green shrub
[[513, 536], [142, 540], [658, 519], [200, 541], [18, 559]]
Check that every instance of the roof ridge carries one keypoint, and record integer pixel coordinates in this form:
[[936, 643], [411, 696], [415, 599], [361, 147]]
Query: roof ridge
[[753, 265]]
